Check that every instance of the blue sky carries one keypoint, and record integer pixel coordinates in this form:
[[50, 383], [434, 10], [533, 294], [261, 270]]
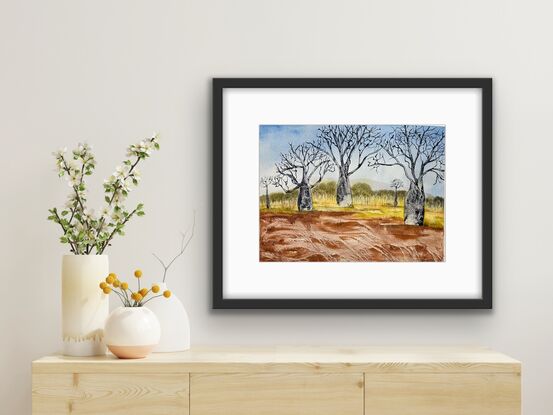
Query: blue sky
[[275, 139]]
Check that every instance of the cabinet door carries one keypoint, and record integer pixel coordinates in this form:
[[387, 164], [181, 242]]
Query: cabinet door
[[110, 394], [442, 394], [276, 394]]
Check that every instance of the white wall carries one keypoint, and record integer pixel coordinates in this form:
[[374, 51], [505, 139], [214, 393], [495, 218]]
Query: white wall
[[112, 72]]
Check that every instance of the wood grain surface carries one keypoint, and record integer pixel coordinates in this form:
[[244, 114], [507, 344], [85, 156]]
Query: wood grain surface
[[110, 394], [276, 394]]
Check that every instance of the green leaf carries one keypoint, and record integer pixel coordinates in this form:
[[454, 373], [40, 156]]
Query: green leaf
[[64, 212], [140, 213], [106, 199]]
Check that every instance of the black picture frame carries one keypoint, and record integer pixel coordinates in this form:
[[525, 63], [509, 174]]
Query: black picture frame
[[220, 84]]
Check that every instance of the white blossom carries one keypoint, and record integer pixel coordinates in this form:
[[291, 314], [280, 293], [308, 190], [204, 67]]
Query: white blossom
[[60, 153], [127, 185], [103, 227], [79, 227], [117, 216], [88, 214], [120, 173], [110, 180], [74, 178]]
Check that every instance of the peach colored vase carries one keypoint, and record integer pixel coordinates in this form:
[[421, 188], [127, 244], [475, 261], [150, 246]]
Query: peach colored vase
[[131, 332]]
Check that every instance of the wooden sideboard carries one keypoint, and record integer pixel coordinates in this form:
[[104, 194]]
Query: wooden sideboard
[[283, 381]]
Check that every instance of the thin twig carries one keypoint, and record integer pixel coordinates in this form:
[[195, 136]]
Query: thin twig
[[151, 298], [112, 234], [184, 244]]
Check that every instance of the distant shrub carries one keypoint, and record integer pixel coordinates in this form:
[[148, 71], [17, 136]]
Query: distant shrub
[[361, 190], [435, 202], [324, 196], [325, 190]]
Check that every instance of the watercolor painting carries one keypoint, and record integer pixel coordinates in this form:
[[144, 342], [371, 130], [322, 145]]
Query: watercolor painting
[[351, 193]]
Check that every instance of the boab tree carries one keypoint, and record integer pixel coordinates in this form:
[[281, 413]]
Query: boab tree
[[266, 181], [396, 185], [419, 151], [298, 168], [349, 147]]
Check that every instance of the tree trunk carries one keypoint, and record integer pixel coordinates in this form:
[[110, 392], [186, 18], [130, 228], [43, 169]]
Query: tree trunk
[[305, 201], [267, 199], [343, 191], [395, 198], [413, 211]]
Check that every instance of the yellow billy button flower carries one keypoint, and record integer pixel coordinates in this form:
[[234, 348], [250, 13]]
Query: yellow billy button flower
[[133, 296], [138, 297], [106, 290], [125, 285], [167, 293], [116, 283], [143, 292], [103, 285], [137, 273], [155, 289], [110, 278]]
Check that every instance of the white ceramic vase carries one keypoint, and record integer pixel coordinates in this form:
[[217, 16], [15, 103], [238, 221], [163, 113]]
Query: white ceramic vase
[[84, 306], [173, 319], [131, 332]]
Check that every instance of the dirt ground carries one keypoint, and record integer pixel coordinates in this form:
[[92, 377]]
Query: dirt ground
[[341, 237]]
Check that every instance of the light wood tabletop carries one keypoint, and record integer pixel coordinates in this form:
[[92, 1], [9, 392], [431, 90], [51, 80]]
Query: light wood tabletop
[[383, 359]]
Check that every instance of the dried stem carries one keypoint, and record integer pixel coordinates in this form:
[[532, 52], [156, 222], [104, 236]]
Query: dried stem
[[186, 238]]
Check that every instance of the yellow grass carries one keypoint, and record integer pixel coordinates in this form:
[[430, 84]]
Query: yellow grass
[[433, 217]]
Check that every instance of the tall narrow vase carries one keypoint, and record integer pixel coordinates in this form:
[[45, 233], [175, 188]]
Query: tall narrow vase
[[84, 307], [173, 320]]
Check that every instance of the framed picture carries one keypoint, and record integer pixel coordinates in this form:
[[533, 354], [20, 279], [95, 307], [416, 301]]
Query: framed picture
[[352, 193]]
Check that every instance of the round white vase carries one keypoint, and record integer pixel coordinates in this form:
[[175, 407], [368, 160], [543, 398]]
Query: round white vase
[[84, 306], [174, 322], [131, 332]]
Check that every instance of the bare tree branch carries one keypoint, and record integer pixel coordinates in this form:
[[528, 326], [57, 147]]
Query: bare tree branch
[[186, 238], [419, 150], [299, 165], [347, 144]]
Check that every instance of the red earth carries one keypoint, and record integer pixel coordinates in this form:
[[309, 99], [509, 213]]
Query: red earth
[[341, 237]]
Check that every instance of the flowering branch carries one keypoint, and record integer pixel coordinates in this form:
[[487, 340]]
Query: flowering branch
[[82, 230]]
